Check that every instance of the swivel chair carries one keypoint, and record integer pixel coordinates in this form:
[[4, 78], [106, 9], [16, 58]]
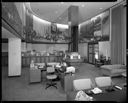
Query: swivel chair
[[50, 75]]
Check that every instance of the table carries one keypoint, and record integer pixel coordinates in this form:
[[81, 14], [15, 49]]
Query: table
[[117, 96]]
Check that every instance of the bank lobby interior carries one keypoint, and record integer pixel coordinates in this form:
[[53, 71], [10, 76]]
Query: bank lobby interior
[[64, 51]]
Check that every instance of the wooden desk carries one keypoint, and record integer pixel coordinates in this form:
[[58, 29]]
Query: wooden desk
[[66, 81]]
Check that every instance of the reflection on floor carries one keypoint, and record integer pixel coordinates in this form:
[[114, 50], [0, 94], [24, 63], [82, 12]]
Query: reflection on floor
[[19, 89]]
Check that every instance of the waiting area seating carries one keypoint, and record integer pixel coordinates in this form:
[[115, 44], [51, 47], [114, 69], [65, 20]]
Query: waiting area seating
[[82, 84], [84, 90], [113, 70], [104, 82]]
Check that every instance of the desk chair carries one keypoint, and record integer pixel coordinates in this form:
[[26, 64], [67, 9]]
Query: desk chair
[[50, 77]]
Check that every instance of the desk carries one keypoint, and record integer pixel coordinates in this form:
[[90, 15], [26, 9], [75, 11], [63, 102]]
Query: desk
[[66, 80], [34, 75], [42, 67], [117, 96]]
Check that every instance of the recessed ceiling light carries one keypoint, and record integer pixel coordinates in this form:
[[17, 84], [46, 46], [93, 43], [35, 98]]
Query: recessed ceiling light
[[83, 5], [62, 2], [101, 8]]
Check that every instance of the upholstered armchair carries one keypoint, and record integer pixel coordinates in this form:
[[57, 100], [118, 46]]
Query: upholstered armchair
[[103, 81], [82, 84]]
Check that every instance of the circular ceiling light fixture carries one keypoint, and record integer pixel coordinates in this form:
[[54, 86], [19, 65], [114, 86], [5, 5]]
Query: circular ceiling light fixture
[[62, 2], [83, 5]]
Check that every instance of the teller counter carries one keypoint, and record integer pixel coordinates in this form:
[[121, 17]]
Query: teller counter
[[26, 60]]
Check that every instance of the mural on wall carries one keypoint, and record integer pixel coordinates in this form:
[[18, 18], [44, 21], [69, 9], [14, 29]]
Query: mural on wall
[[106, 26], [11, 16], [96, 28], [86, 31], [44, 31]]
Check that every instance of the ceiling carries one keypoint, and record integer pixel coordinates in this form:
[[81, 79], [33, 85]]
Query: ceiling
[[58, 11], [6, 34]]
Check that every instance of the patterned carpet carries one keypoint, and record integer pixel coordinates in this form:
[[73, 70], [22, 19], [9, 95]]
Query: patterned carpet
[[19, 88]]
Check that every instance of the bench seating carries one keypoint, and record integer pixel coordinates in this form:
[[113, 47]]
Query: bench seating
[[113, 70]]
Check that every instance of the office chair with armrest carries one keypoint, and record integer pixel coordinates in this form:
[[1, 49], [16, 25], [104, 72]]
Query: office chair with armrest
[[50, 75], [82, 84], [103, 81]]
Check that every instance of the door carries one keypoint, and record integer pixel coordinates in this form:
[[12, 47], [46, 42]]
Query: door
[[92, 49]]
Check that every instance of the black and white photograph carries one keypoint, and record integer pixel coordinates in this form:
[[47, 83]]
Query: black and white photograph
[[64, 51]]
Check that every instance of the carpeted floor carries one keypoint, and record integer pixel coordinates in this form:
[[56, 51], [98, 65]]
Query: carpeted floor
[[19, 88]]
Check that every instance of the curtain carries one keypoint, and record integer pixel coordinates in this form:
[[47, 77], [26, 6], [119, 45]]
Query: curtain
[[40, 26], [117, 36]]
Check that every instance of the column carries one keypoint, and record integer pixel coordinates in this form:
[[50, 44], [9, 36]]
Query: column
[[73, 18], [14, 53]]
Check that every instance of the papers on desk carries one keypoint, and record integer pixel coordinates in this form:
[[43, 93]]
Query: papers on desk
[[96, 90]]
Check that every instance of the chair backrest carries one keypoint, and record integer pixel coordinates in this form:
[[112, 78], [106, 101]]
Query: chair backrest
[[103, 81], [50, 69], [82, 84]]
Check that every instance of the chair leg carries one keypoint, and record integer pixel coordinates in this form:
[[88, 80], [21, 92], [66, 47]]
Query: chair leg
[[55, 86], [48, 86], [51, 84]]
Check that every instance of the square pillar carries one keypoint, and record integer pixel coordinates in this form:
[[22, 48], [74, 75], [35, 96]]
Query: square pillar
[[73, 18], [14, 53]]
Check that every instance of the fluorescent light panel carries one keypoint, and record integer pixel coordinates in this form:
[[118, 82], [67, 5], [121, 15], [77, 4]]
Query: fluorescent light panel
[[62, 26]]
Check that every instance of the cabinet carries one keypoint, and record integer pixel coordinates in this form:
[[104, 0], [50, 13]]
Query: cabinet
[[35, 75], [93, 48]]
